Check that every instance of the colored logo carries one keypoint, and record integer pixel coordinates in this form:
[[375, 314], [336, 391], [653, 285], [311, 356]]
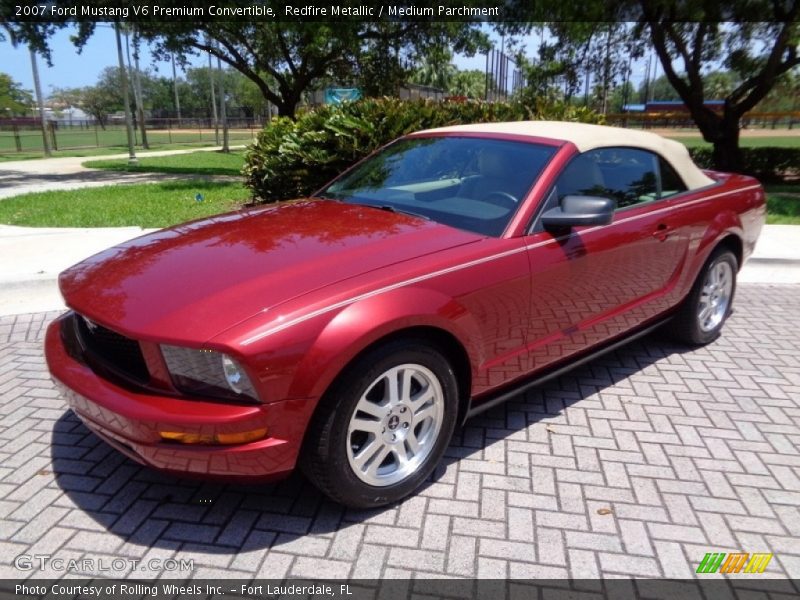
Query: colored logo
[[741, 562]]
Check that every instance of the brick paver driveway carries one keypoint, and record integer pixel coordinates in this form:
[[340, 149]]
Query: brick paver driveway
[[636, 464]]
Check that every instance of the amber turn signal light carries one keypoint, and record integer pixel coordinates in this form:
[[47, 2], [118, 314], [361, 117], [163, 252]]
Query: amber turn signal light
[[225, 439]]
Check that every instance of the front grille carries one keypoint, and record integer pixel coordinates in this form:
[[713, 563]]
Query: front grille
[[110, 350]]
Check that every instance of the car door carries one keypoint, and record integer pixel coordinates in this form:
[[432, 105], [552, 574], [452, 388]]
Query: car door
[[593, 283]]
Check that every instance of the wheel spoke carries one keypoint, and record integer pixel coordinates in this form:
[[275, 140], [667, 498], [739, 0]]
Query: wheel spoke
[[378, 459], [401, 454], [367, 425], [393, 386], [370, 408], [405, 388], [705, 314], [367, 452], [411, 443], [420, 416], [722, 273], [422, 398]]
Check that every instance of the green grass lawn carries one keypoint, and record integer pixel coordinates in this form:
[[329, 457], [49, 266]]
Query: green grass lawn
[[88, 142], [146, 205], [783, 203], [744, 142], [168, 203], [90, 152], [204, 163]]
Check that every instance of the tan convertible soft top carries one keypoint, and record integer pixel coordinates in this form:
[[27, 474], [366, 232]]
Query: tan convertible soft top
[[589, 137]]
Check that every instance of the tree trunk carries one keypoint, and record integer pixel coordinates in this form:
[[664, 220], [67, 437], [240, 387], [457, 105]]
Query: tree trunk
[[286, 108], [723, 132], [727, 155]]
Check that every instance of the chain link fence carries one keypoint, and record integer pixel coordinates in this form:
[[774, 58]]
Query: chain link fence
[[19, 137]]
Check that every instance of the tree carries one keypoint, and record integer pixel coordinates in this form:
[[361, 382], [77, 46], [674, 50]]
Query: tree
[[284, 59], [757, 53], [471, 84], [620, 96], [435, 69], [576, 53], [382, 65], [243, 94], [98, 102], [784, 96], [14, 101], [756, 40], [657, 89]]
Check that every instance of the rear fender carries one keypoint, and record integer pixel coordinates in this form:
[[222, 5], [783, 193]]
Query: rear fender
[[726, 223]]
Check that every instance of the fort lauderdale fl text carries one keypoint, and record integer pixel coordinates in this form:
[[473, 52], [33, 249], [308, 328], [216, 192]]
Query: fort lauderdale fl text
[[172, 590], [290, 11]]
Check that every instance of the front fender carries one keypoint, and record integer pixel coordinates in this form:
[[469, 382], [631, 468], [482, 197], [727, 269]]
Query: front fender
[[361, 324]]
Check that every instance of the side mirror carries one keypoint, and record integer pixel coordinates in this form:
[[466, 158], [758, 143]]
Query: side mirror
[[576, 211]]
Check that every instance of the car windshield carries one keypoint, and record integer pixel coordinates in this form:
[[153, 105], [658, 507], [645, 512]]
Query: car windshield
[[475, 184]]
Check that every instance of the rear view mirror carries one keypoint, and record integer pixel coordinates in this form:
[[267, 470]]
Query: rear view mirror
[[576, 211]]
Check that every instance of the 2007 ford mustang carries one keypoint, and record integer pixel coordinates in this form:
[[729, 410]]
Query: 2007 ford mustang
[[350, 332]]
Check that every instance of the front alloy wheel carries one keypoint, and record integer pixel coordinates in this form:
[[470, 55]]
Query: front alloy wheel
[[383, 426], [395, 425]]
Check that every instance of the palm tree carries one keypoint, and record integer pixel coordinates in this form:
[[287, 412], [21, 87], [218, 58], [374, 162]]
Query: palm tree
[[435, 70]]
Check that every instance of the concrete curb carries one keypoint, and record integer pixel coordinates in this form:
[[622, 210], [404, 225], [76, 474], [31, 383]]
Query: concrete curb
[[68, 173], [33, 258]]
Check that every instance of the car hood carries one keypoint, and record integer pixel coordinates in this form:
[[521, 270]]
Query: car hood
[[193, 281]]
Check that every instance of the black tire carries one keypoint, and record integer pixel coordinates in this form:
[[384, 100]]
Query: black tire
[[324, 458], [686, 326]]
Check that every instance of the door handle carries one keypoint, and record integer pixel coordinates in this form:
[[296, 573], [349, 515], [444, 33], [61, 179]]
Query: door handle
[[662, 232]]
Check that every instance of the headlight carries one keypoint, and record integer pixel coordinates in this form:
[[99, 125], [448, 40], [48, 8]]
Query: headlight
[[208, 373]]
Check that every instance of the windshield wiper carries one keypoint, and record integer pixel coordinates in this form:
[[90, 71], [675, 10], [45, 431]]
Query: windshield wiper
[[332, 198], [394, 209]]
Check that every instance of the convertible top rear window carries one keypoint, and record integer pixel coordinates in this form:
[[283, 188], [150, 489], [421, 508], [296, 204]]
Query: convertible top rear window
[[475, 184]]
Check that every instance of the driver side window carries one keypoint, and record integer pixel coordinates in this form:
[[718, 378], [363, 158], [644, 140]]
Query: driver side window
[[629, 176]]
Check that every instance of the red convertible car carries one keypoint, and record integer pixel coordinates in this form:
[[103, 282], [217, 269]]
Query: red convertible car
[[350, 332]]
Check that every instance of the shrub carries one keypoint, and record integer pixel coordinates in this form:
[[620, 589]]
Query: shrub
[[294, 158], [767, 163]]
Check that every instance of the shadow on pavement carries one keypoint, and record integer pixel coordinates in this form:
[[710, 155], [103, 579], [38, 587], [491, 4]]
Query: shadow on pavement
[[144, 507]]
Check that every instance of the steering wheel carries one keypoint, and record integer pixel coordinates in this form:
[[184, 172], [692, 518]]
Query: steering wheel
[[503, 199]]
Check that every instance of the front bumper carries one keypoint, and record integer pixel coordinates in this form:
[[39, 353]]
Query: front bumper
[[130, 421]]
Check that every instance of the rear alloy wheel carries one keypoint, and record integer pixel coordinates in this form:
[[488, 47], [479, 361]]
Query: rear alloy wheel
[[383, 426], [708, 305]]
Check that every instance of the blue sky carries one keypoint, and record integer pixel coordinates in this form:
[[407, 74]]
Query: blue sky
[[71, 69]]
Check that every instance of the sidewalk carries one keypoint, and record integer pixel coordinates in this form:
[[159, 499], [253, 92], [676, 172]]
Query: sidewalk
[[776, 258], [32, 258], [41, 175]]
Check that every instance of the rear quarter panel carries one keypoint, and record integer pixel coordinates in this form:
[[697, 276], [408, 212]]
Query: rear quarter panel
[[735, 206]]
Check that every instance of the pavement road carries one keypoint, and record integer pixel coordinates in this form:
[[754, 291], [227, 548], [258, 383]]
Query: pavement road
[[637, 464], [41, 175]]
